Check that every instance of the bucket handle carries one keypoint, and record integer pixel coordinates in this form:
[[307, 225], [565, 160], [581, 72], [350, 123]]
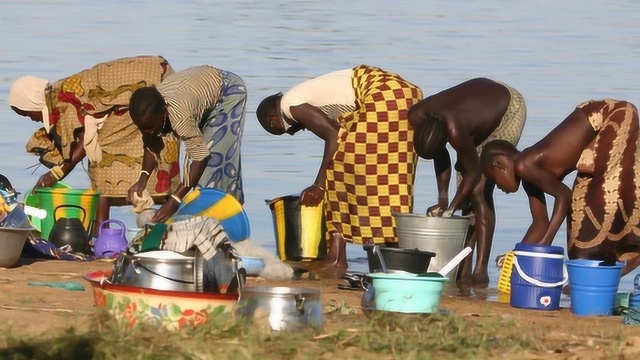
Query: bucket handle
[[537, 282], [122, 227], [55, 211]]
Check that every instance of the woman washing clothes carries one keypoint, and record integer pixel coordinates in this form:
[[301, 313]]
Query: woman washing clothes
[[599, 140], [87, 115], [204, 107], [368, 164]]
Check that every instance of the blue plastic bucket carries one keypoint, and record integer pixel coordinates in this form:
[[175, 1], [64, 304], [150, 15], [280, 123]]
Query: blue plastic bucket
[[537, 277], [593, 286], [219, 205], [407, 293]]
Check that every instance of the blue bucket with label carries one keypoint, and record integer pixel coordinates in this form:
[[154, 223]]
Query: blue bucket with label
[[594, 285], [537, 277]]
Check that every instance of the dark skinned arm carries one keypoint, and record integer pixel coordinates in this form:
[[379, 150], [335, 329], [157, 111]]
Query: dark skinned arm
[[77, 154], [148, 164], [468, 159], [326, 129], [196, 168], [540, 218], [548, 183], [442, 168]]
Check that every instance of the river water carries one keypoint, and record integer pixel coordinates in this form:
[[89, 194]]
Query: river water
[[557, 54]]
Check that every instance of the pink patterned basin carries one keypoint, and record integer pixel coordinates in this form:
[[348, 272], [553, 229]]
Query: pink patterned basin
[[130, 305]]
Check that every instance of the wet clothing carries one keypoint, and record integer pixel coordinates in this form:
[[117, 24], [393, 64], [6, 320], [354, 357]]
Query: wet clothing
[[372, 172], [96, 100], [604, 220], [206, 109]]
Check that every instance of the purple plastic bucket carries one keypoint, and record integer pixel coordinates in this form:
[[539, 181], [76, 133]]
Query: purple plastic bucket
[[537, 277]]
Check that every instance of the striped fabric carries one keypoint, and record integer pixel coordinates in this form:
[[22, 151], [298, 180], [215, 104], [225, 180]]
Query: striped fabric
[[203, 232], [207, 108], [191, 95]]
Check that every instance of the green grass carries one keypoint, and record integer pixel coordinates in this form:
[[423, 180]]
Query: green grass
[[346, 335]]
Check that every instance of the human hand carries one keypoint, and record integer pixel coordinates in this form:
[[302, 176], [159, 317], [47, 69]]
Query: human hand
[[46, 180], [166, 210], [136, 188], [435, 210], [312, 196]]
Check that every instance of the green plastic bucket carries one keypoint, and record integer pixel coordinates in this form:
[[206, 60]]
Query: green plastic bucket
[[62, 201], [407, 293]]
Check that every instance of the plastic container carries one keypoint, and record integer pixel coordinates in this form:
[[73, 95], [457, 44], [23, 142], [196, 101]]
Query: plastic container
[[594, 286], [443, 236], [60, 195], [11, 243], [406, 293], [110, 242], [411, 260], [504, 279], [537, 277], [299, 230], [634, 297], [219, 205]]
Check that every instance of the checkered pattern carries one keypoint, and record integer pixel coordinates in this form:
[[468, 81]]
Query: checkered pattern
[[373, 170]]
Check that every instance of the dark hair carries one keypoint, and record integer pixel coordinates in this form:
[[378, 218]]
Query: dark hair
[[144, 102], [431, 136], [495, 148], [265, 108]]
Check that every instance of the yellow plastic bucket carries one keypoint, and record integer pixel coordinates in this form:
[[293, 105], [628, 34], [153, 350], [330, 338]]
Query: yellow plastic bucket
[[299, 230], [62, 201]]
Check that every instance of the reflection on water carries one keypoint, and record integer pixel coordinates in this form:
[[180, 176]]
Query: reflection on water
[[556, 57]]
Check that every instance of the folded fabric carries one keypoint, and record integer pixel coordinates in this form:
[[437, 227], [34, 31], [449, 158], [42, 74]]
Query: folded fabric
[[91, 127], [202, 232]]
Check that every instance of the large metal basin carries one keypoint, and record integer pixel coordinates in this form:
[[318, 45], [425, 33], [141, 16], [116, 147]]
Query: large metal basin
[[443, 236]]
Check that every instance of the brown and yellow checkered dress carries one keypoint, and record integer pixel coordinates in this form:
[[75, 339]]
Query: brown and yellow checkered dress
[[604, 222], [373, 170]]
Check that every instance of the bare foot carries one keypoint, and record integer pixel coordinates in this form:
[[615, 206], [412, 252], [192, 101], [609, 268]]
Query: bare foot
[[480, 278]]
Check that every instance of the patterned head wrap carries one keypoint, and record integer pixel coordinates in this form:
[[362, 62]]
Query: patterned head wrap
[[27, 94]]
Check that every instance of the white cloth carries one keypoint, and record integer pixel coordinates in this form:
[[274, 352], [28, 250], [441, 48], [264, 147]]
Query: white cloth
[[142, 203], [27, 94], [333, 90], [91, 146]]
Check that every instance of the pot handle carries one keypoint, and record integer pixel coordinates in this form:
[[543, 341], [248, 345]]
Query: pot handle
[[133, 266], [300, 299], [120, 223], [55, 211]]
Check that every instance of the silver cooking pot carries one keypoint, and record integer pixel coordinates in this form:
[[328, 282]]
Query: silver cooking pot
[[160, 270], [283, 307]]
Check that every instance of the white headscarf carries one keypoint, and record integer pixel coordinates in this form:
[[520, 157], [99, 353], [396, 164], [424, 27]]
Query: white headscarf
[[27, 94]]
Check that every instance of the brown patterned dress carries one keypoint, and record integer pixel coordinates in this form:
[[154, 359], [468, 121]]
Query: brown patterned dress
[[603, 223], [105, 90]]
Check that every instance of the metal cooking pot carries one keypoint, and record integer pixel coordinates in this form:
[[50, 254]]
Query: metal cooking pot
[[160, 270], [282, 307]]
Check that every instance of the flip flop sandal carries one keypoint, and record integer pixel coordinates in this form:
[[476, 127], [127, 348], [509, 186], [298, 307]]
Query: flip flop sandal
[[304, 274]]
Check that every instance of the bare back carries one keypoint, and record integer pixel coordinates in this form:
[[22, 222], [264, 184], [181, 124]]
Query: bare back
[[559, 151], [473, 109]]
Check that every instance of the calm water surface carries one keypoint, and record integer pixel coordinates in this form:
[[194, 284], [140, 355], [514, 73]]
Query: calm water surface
[[557, 54]]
